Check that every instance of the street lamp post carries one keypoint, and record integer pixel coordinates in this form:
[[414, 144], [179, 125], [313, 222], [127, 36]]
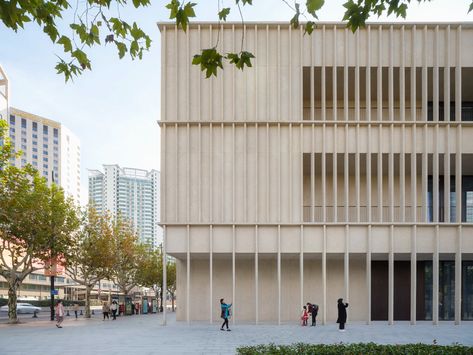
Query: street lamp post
[[52, 271]]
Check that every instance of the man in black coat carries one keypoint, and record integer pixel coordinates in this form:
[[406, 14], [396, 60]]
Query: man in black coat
[[342, 314]]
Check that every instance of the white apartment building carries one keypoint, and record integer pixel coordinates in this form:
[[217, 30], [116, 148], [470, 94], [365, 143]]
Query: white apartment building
[[3, 94], [49, 146], [339, 165], [134, 193]]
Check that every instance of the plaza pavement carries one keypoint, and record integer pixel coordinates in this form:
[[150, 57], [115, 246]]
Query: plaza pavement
[[144, 334]]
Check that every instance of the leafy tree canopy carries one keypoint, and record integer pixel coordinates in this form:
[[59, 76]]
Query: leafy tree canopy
[[98, 22]]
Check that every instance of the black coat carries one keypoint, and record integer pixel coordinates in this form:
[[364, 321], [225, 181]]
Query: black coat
[[342, 312]]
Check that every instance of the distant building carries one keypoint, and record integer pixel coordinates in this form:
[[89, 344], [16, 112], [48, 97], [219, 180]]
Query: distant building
[[49, 146], [132, 192]]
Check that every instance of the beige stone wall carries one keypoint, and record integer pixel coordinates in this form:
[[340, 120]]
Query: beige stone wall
[[244, 302]]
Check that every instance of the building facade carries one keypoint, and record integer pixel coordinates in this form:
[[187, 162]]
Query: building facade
[[339, 165], [134, 193], [48, 146]]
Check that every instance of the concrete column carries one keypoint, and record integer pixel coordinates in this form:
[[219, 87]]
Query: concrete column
[[188, 277], [211, 274], [368, 275], [164, 275], [324, 278], [458, 277], [391, 277], [435, 279], [256, 277], [346, 265], [234, 302], [301, 267], [413, 274], [279, 274]]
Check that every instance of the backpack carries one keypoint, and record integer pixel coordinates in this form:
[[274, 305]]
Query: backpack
[[315, 308]]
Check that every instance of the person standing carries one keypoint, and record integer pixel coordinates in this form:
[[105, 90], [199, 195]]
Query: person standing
[[313, 310], [76, 309], [105, 310], [114, 308], [304, 316], [59, 313], [225, 312], [342, 314]]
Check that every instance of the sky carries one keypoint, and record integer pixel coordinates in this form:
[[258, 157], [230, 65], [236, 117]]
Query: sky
[[114, 108]]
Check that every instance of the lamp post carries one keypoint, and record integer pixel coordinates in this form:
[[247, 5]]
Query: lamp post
[[51, 268]]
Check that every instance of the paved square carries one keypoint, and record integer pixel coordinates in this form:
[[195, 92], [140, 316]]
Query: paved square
[[144, 334]]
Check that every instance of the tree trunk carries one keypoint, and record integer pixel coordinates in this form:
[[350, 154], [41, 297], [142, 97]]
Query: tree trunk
[[172, 301], [88, 289], [12, 316]]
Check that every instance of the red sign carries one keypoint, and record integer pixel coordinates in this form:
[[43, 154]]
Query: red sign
[[53, 267]]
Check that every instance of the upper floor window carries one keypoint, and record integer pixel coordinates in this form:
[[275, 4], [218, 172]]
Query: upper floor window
[[56, 132], [12, 120], [23, 123], [45, 129], [35, 126]]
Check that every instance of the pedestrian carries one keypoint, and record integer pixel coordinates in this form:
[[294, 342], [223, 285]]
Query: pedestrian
[[76, 309], [313, 310], [59, 313], [342, 314], [114, 308], [105, 310], [304, 316], [225, 313]]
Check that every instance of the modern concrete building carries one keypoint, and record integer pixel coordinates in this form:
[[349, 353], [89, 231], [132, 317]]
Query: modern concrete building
[[49, 146], [339, 165], [132, 192]]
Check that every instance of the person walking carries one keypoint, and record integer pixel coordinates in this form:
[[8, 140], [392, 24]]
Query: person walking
[[313, 310], [304, 316], [59, 313], [105, 310], [76, 309], [225, 313], [342, 314], [114, 308]]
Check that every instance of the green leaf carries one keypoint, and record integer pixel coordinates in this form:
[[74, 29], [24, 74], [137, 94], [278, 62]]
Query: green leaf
[[471, 7], [313, 6], [209, 60], [244, 58], [122, 49], [244, 2], [309, 27], [295, 18], [222, 15], [66, 42]]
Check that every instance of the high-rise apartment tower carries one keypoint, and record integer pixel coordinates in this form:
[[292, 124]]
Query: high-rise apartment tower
[[134, 193]]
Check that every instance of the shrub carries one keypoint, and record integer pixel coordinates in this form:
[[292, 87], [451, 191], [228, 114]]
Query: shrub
[[356, 349]]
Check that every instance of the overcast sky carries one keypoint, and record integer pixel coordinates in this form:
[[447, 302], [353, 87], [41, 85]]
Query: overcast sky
[[113, 109]]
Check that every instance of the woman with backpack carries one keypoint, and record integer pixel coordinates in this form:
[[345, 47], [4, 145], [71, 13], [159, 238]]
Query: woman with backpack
[[225, 313]]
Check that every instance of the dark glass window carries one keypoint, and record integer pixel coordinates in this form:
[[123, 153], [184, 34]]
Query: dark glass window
[[466, 111], [23, 123], [35, 126], [12, 119], [56, 132], [45, 129]]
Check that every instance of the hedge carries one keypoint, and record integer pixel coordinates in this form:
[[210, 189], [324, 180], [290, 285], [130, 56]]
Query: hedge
[[355, 349], [42, 303]]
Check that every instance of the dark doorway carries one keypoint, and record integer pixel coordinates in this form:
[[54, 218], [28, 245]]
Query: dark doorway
[[379, 290], [402, 290]]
